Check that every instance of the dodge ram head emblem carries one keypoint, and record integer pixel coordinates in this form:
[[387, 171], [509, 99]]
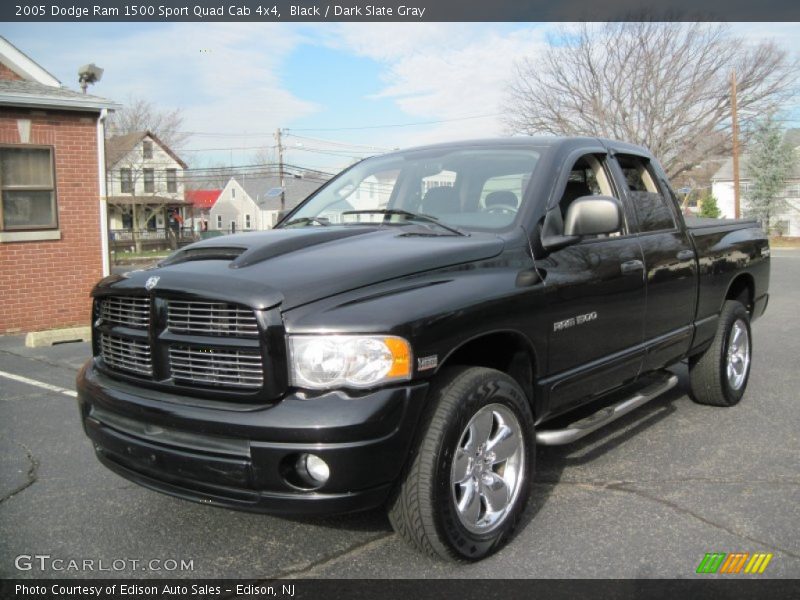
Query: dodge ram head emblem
[[151, 282]]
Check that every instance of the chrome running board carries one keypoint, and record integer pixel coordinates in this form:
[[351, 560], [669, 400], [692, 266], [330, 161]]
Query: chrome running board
[[604, 416]]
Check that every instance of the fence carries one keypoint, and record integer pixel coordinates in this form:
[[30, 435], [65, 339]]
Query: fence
[[137, 240]]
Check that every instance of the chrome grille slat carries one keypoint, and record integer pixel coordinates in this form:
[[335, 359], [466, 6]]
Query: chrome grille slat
[[211, 318], [213, 366], [129, 311], [206, 365], [126, 354]]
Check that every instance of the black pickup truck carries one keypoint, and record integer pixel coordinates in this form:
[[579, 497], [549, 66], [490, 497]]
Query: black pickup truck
[[409, 333]]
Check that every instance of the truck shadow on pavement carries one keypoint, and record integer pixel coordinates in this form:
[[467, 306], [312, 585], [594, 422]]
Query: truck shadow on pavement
[[551, 461]]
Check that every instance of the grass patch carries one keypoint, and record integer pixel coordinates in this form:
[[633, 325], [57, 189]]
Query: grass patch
[[784, 242]]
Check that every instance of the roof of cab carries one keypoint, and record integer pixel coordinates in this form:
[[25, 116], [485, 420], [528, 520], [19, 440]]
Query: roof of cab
[[563, 142]]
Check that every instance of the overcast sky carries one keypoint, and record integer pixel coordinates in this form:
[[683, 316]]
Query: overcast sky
[[350, 83]]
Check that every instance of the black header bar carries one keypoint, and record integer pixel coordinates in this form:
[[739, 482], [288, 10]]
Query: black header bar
[[397, 11]]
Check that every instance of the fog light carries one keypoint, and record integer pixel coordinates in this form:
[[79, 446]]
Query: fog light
[[314, 468]]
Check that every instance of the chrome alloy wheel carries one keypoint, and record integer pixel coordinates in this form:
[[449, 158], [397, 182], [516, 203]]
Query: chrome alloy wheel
[[738, 356], [488, 468]]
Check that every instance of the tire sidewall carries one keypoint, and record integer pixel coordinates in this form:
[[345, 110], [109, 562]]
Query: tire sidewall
[[737, 312], [490, 389]]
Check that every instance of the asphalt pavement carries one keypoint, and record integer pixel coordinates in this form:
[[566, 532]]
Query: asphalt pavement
[[647, 496]]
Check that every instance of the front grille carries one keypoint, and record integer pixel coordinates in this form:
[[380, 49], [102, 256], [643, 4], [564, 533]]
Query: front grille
[[227, 367], [126, 354], [211, 318], [129, 311]]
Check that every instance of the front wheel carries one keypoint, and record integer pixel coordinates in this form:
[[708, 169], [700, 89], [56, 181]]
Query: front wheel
[[469, 481], [719, 375]]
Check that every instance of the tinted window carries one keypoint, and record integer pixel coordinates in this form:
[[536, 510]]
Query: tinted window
[[652, 207]]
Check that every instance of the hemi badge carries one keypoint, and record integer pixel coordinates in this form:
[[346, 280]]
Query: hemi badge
[[427, 362]]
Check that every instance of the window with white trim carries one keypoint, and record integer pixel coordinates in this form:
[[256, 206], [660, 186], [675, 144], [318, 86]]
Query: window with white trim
[[219, 221], [27, 183], [149, 181], [126, 181], [172, 181]]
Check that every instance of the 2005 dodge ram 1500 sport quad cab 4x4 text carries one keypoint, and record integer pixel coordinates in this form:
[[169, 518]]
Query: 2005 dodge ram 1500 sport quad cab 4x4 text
[[409, 333]]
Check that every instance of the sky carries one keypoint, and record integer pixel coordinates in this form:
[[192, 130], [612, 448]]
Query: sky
[[339, 90]]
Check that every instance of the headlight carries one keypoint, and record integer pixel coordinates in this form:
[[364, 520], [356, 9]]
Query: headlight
[[329, 361]]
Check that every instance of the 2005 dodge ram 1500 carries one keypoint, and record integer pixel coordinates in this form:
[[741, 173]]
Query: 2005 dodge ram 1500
[[412, 330]]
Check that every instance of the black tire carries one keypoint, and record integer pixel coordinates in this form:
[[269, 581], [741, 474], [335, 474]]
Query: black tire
[[710, 384], [423, 509]]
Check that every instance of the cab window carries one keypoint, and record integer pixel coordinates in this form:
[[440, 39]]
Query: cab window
[[652, 207]]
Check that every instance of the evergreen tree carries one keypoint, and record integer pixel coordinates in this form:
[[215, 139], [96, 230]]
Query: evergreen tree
[[709, 208], [769, 165]]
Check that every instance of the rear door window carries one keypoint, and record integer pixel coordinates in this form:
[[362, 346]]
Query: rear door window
[[652, 207]]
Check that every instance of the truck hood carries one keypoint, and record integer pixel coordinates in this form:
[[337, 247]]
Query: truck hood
[[292, 267]]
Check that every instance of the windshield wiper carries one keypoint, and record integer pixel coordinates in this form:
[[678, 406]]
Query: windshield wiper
[[411, 216], [306, 221]]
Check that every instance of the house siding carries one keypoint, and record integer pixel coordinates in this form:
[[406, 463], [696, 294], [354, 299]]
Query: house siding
[[46, 284], [234, 207], [134, 160], [722, 190]]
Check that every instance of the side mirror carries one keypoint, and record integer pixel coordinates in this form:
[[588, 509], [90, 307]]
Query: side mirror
[[587, 215], [593, 215]]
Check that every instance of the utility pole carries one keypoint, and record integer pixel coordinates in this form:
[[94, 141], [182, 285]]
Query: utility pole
[[735, 119], [280, 167]]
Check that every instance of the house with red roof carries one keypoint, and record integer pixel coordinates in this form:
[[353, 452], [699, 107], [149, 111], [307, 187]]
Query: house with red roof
[[201, 202]]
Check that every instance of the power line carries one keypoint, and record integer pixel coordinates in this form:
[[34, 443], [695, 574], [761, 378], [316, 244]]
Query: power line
[[229, 148], [335, 143]]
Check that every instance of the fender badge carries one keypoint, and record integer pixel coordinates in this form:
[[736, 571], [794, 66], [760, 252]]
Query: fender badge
[[151, 282], [427, 362]]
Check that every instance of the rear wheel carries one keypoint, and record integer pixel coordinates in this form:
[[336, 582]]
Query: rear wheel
[[470, 478], [719, 375]]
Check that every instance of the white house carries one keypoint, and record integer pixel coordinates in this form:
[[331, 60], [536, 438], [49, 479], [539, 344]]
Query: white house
[[145, 181], [254, 203], [786, 222]]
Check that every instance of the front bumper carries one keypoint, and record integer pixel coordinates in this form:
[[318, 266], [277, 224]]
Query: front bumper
[[238, 455]]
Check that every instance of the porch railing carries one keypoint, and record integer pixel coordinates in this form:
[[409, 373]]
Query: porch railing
[[162, 233]]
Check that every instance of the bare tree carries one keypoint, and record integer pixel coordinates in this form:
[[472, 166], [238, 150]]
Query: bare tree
[[213, 176], [265, 156], [139, 114], [663, 85]]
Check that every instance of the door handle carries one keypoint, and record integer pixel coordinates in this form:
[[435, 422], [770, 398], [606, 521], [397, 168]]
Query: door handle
[[631, 266], [685, 255]]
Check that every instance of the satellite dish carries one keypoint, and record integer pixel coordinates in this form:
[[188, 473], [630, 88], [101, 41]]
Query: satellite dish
[[274, 192]]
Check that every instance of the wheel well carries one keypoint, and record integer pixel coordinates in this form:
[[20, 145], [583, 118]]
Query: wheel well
[[742, 289], [505, 351]]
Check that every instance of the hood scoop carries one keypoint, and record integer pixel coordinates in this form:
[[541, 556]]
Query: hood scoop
[[207, 253], [280, 245]]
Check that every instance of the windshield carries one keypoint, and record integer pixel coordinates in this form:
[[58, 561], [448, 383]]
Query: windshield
[[466, 188]]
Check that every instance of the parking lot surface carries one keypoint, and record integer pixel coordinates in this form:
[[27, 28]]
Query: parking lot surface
[[647, 496]]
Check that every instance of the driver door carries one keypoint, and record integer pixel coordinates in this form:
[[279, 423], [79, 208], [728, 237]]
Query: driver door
[[595, 298]]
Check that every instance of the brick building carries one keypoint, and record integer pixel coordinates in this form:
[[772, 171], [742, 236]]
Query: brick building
[[53, 232]]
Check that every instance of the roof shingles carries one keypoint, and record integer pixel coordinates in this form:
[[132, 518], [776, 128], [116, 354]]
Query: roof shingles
[[297, 189], [22, 92]]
